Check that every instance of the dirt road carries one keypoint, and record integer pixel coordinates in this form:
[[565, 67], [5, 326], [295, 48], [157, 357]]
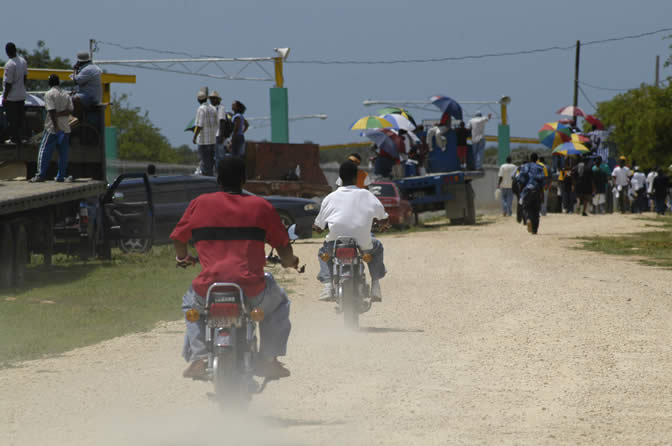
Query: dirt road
[[487, 335]]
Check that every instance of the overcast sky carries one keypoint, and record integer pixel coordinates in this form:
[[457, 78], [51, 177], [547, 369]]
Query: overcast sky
[[538, 84]]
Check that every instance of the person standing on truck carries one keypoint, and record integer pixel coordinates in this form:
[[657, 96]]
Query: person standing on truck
[[58, 104], [221, 135], [349, 212], [87, 76], [477, 126], [461, 134], [363, 179], [229, 229], [14, 94], [205, 130], [240, 126], [504, 184], [531, 180]]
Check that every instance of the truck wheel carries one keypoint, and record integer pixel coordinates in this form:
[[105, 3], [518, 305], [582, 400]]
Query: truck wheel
[[286, 219], [135, 245], [20, 254], [6, 256]]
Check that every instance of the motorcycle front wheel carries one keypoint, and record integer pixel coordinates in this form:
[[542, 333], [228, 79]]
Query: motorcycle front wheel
[[230, 390], [348, 295]]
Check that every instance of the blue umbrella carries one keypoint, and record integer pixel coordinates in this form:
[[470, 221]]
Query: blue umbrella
[[446, 104], [383, 140]]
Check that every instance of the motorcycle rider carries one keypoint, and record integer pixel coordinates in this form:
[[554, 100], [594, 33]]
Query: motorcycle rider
[[350, 211], [531, 181], [229, 230]]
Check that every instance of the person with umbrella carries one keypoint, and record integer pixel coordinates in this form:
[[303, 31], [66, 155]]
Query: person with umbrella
[[477, 127], [531, 182]]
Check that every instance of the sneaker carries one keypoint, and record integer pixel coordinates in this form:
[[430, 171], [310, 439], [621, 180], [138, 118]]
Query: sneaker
[[10, 142], [196, 369], [529, 226], [37, 179], [376, 293], [271, 369], [327, 294], [63, 180]]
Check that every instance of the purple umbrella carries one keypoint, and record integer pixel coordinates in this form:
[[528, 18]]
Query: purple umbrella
[[384, 141], [446, 104]]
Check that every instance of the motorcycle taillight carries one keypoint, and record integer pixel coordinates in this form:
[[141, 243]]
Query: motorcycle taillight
[[346, 253], [224, 310]]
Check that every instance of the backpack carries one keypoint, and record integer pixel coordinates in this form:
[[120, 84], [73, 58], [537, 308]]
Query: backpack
[[228, 126]]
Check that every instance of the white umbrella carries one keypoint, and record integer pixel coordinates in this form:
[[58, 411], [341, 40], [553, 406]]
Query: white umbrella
[[400, 122]]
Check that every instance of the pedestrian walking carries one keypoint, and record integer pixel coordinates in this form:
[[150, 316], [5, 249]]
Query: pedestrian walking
[[240, 126], [504, 184], [661, 186], [583, 184], [477, 127], [621, 176], [205, 130], [14, 94], [638, 188], [547, 185], [601, 175], [531, 180], [59, 105]]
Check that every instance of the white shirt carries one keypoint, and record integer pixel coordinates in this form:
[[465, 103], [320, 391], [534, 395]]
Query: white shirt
[[57, 100], [649, 181], [477, 126], [638, 181], [622, 175], [505, 173], [16, 69], [221, 116], [206, 119], [349, 212]]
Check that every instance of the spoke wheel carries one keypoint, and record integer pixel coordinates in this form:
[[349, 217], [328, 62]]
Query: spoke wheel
[[135, 245]]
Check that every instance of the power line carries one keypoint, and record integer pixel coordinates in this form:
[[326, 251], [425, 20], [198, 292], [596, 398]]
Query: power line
[[585, 96], [605, 88]]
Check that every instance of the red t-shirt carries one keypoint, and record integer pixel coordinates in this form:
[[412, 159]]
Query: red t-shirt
[[229, 231]]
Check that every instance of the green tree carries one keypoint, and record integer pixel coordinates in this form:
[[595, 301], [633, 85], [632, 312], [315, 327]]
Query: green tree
[[643, 124]]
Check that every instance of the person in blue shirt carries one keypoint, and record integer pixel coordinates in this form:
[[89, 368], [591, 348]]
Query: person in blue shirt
[[531, 182], [87, 77]]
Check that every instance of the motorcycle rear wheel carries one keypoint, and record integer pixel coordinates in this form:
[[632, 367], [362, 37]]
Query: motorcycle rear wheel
[[231, 391], [348, 296]]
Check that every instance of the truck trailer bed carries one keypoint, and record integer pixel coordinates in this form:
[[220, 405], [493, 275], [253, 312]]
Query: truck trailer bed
[[22, 195]]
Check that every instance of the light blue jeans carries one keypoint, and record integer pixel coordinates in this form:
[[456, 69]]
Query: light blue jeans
[[376, 265], [478, 149], [507, 201], [274, 329]]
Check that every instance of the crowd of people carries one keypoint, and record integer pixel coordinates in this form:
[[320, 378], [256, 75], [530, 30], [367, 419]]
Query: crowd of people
[[64, 109], [218, 133], [585, 184]]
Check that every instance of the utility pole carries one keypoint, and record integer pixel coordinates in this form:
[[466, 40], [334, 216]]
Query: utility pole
[[657, 71], [576, 78]]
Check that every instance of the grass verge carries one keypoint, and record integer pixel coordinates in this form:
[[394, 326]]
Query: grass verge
[[649, 247], [73, 304]]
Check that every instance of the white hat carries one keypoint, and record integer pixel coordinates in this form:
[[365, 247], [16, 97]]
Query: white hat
[[201, 95], [83, 56], [215, 94]]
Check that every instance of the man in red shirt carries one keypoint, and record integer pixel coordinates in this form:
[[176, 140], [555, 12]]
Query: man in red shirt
[[229, 230]]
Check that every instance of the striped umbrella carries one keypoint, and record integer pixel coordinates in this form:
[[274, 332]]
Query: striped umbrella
[[371, 122], [570, 110], [397, 111], [400, 122], [570, 148], [579, 138], [554, 133]]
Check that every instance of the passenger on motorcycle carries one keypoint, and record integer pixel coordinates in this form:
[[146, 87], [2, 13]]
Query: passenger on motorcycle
[[229, 230], [531, 182], [349, 212]]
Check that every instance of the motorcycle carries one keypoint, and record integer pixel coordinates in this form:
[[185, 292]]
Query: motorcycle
[[349, 285]]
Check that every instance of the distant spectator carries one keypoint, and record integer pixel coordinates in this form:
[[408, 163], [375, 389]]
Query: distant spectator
[[363, 179], [56, 131], [583, 184], [601, 175], [220, 135], [651, 175], [461, 134], [151, 170], [531, 181], [505, 183], [547, 184], [661, 185], [477, 126], [87, 76], [621, 175], [638, 189], [240, 126], [14, 94], [205, 129], [567, 184]]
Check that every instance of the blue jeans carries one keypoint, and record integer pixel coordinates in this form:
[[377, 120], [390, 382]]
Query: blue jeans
[[478, 149], [220, 154], [206, 153], [376, 265], [274, 329], [51, 141], [507, 201]]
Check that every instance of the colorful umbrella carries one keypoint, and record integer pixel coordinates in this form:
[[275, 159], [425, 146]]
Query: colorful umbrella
[[579, 138], [554, 133], [400, 122], [446, 104], [594, 122], [570, 148], [397, 111], [387, 140], [371, 122], [571, 111]]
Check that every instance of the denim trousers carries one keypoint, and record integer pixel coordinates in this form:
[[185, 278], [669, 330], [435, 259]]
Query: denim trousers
[[274, 329], [376, 265], [478, 149], [206, 153], [507, 201], [51, 141]]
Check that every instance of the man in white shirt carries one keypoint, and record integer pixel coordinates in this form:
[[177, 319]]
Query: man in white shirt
[[205, 130], [504, 184], [621, 175], [220, 146], [59, 105], [638, 187], [14, 94], [349, 212], [477, 126]]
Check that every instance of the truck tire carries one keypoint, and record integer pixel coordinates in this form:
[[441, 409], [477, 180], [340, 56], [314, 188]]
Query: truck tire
[[20, 254], [6, 256]]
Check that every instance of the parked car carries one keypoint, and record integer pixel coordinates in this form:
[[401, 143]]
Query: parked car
[[399, 209], [171, 195]]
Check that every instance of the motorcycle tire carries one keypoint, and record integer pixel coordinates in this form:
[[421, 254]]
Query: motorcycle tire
[[348, 297], [230, 390]]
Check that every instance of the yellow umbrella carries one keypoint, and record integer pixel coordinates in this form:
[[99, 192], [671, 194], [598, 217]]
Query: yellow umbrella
[[371, 122]]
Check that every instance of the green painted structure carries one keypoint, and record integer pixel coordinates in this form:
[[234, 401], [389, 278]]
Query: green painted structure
[[279, 115], [504, 143], [111, 152]]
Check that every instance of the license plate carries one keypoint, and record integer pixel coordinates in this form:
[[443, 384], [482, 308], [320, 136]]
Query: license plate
[[223, 321], [223, 340]]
